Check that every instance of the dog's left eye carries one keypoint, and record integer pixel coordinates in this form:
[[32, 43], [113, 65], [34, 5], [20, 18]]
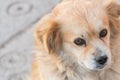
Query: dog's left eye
[[79, 42], [103, 33]]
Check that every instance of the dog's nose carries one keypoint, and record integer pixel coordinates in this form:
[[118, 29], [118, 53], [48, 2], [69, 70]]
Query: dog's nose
[[102, 60]]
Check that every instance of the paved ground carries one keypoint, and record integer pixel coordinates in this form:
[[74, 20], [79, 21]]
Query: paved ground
[[17, 20]]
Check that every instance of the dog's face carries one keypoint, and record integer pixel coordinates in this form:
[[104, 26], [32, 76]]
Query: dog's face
[[86, 35], [87, 41], [82, 32]]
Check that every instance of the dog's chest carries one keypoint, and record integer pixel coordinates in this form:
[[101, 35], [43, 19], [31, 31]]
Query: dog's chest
[[58, 75]]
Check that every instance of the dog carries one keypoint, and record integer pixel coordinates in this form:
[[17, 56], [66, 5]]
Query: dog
[[78, 40]]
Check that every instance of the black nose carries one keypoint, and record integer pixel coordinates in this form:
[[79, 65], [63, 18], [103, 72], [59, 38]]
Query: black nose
[[102, 60]]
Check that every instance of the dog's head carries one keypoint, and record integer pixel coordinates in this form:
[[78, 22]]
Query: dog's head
[[80, 29]]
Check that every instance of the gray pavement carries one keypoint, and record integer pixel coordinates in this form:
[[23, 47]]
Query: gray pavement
[[17, 20]]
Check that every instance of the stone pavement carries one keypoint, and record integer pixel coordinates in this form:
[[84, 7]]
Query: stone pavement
[[17, 20]]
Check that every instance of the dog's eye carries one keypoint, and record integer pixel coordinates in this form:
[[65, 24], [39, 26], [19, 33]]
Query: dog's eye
[[79, 42], [103, 33]]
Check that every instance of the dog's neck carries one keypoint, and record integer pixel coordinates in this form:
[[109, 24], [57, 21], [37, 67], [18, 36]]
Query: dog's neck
[[75, 72]]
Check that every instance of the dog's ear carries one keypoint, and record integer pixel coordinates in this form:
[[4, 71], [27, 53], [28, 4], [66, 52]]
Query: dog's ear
[[48, 35], [113, 11], [53, 38]]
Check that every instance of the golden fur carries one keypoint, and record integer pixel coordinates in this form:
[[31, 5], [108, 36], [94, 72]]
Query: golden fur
[[58, 58]]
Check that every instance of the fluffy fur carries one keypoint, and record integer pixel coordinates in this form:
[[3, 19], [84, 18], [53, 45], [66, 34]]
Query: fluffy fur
[[58, 58]]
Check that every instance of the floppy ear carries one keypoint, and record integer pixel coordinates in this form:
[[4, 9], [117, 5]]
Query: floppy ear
[[113, 11], [48, 35], [53, 38]]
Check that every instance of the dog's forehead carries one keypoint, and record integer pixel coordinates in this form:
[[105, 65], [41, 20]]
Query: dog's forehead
[[83, 24], [79, 7], [82, 15]]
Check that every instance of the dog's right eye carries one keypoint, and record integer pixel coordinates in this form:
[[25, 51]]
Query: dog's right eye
[[79, 42]]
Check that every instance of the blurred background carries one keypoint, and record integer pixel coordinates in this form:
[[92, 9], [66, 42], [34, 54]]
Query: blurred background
[[17, 21]]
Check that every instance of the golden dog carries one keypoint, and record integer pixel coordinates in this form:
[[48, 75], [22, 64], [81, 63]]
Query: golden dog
[[78, 40]]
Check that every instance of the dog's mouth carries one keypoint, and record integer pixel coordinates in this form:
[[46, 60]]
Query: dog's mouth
[[99, 66]]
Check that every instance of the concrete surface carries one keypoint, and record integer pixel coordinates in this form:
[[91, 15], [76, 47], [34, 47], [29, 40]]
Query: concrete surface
[[17, 20]]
